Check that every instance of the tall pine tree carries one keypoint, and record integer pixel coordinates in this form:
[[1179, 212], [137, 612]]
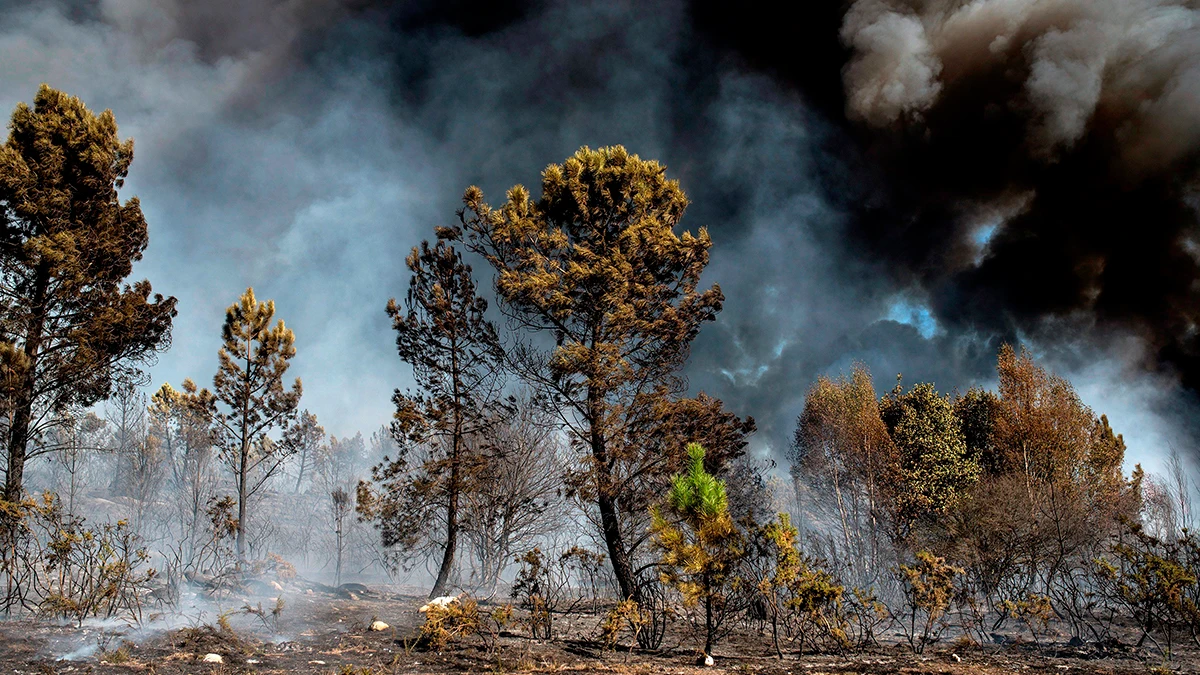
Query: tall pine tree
[[69, 326], [596, 266], [456, 356], [249, 399]]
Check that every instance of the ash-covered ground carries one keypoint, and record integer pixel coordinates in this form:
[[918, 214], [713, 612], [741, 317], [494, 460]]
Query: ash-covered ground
[[325, 630]]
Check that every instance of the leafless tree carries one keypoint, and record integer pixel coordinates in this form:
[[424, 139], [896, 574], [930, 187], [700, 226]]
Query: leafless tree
[[126, 415], [181, 428], [521, 500]]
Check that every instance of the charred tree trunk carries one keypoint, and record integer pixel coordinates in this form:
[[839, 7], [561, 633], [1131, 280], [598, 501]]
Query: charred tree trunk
[[610, 522], [18, 433], [443, 577]]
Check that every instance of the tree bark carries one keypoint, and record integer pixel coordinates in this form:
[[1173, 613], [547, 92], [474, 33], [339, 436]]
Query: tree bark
[[443, 577], [610, 523], [241, 523], [303, 461], [244, 456], [456, 440], [709, 629], [17, 439], [18, 433], [339, 550]]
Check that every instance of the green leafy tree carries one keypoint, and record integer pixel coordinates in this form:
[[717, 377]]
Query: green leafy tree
[[249, 399], [595, 265], [69, 327], [442, 331], [701, 548], [936, 471], [977, 411]]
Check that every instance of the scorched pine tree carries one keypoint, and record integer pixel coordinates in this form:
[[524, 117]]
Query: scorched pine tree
[[250, 400], [69, 327], [456, 356], [596, 266]]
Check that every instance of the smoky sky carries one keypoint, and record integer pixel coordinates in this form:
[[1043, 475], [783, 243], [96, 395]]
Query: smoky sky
[[906, 183]]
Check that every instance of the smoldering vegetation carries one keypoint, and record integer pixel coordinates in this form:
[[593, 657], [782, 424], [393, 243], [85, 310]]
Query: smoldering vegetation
[[549, 477], [566, 477]]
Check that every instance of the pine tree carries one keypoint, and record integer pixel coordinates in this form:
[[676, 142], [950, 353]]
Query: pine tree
[[180, 421], [69, 328], [306, 436], [701, 547], [249, 399], [442, 331], [596, 266]]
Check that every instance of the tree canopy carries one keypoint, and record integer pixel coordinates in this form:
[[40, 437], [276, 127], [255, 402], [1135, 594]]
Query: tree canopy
[[595, 265], [70, 325]]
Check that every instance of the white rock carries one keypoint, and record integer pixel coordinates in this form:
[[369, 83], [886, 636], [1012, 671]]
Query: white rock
[[213, 658], [379, 625], [956, 657], [708, 660], [316, 663], [440, 601], [276, 586]]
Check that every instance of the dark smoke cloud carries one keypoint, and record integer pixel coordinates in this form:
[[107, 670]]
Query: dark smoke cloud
[[304, 146], [1040, 160]]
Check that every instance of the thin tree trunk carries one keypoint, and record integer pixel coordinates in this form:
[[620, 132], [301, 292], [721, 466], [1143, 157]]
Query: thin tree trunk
[[443, 577], [339, 550], [241, 523], [303, 461], [244, 458], [775, 633], [709, 630], [448, 555]]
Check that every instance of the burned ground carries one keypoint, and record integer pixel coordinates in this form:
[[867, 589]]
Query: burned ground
[[320, 632]]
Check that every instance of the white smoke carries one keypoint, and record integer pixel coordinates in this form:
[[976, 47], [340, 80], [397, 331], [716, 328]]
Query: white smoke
[[895, 72], [1133, 65]]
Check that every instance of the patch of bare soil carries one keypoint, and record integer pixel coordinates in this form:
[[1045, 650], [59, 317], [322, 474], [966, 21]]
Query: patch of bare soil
[[328, 633]]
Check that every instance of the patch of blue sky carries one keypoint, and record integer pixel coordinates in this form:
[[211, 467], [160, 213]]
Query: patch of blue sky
[[983, 236], [917, 315]]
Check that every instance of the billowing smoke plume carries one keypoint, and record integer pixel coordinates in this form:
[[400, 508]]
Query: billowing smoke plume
[[902, 183], [1039, 162]]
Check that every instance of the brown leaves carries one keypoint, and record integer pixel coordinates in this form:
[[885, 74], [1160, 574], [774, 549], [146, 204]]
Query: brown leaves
[[1043, 429], [841, 438], [596, 265]]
